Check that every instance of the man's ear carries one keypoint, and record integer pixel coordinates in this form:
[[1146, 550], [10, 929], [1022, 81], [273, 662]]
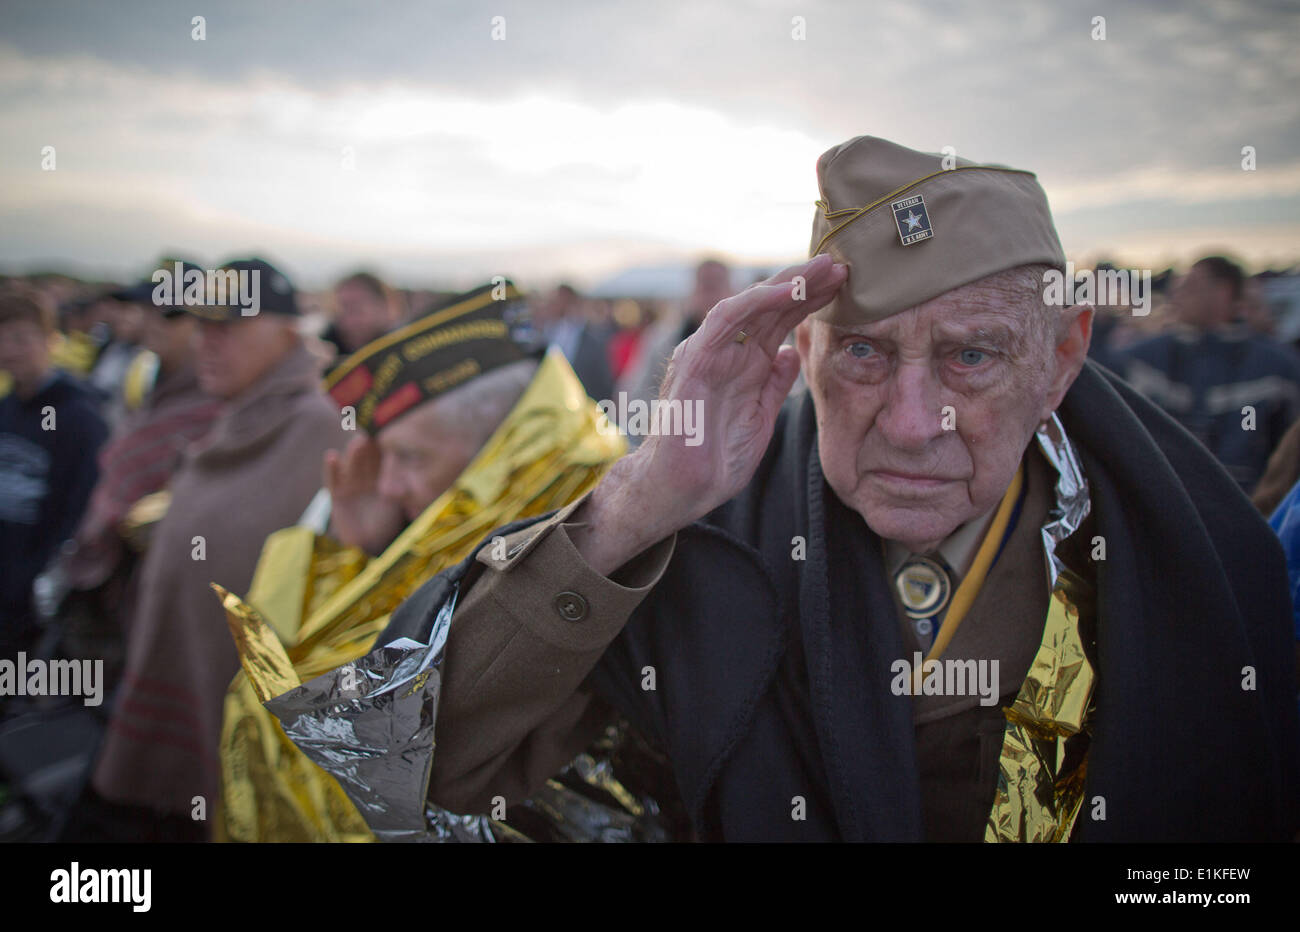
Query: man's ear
[[1070, 353], [803, 341]]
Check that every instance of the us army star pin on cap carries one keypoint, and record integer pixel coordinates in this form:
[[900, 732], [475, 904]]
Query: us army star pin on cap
[[879, 206], [915, 225]]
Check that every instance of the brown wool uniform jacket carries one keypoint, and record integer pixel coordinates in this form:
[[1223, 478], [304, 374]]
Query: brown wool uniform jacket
[[531, 626]]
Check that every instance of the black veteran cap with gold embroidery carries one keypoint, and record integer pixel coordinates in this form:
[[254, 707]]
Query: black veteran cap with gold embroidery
[[913, 225], [470, 335]]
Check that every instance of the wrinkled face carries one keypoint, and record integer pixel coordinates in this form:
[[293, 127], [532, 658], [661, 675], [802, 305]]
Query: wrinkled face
[[234, 354], [24, 352], [421, 458], [362, 315], [924, 416]]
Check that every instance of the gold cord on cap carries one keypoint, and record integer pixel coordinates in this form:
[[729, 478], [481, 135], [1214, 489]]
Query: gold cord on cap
[[857, 212]]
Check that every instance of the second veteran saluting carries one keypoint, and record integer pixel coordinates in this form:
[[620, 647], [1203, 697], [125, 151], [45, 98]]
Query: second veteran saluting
[[967, 587], [460, 429]]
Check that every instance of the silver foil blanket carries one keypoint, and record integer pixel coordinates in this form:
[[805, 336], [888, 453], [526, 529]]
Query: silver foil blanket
[[369, 724]]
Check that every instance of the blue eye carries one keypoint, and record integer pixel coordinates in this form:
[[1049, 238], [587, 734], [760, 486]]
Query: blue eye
[[972, 357], [861, 350]]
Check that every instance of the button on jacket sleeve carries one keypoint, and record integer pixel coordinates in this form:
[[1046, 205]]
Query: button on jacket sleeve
[[532, 624]]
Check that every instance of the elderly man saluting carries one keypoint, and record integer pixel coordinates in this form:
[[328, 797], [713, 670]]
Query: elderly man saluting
[[967, 587], [461, 430]]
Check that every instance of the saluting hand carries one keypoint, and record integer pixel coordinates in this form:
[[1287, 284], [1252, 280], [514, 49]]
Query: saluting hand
[[359, 515], [737, 370]]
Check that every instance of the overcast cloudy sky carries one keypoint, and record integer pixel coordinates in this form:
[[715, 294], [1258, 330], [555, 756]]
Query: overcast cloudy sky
[[403, 137]]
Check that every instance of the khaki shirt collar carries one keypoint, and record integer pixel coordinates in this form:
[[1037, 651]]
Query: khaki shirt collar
[[957, 549]]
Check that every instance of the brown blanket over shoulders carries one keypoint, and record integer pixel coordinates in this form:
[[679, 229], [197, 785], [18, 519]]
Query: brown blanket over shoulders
[[254, 473]]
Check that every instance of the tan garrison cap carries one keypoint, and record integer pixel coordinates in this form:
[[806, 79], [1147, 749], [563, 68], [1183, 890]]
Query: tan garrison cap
[[909, 230]]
